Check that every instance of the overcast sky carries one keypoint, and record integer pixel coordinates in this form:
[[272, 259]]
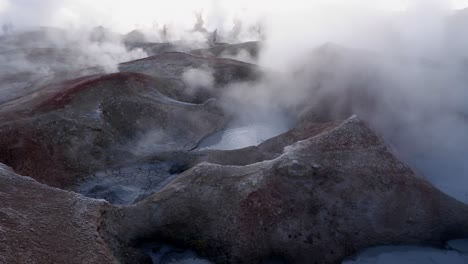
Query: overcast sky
[[124, 15]]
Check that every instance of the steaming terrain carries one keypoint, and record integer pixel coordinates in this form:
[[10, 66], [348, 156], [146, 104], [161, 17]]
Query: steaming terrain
[[198, 152]]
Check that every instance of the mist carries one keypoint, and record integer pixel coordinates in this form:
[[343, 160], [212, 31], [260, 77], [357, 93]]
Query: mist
[[251, 70], [402, 71], [399, 65]]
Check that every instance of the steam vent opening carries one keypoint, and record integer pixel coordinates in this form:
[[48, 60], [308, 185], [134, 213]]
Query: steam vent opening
[[230, 132]]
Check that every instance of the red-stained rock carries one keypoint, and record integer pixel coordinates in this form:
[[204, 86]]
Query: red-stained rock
[[70, 129]]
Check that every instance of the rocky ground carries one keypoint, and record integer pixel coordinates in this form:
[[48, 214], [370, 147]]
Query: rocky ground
[[108, 168], [41, 224]]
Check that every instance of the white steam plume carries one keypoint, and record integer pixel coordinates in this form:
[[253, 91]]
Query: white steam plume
[[405, 59]]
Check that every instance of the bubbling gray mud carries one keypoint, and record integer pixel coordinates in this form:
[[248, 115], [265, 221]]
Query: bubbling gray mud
[[166, 254], [128, 185], [244, 135], [456, 252]]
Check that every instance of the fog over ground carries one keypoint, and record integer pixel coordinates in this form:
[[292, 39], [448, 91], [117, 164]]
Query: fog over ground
[[123, 16], [399, 65], [409, 56]]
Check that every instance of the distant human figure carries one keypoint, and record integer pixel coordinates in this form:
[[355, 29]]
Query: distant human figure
[[214, 36], [164, 33]]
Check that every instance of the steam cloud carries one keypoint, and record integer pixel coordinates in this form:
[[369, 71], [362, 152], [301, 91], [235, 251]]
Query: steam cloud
[[401, 72], [400, 65]]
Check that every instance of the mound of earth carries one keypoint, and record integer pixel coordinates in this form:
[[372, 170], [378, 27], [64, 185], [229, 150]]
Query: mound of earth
[[71, 129], [319, 193], [153, 48], [324, 198], [174, 64], [133, 182], [205, 75]]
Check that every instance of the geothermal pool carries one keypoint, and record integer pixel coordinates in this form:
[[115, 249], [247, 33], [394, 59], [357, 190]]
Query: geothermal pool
[[243, 135]]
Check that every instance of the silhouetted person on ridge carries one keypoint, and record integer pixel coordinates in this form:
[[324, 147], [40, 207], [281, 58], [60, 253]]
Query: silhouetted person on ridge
[[164, 33], [214, 36]]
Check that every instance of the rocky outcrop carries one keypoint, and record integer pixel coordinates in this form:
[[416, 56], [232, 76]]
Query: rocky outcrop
[[174, 64], [199, 78], [267, 150], [152, 48], [324, 198], [133, 182], [40, 224], [318, 193], [251, 49], [77, 127]]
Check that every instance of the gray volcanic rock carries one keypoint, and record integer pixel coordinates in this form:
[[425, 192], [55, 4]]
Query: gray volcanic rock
[[251, 49], [214, 73], [40, 224], [385, 92], [75, 128], [133, 37], [267, 150], [132, 183], [174, 65], [325, 198], [152, 48]]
